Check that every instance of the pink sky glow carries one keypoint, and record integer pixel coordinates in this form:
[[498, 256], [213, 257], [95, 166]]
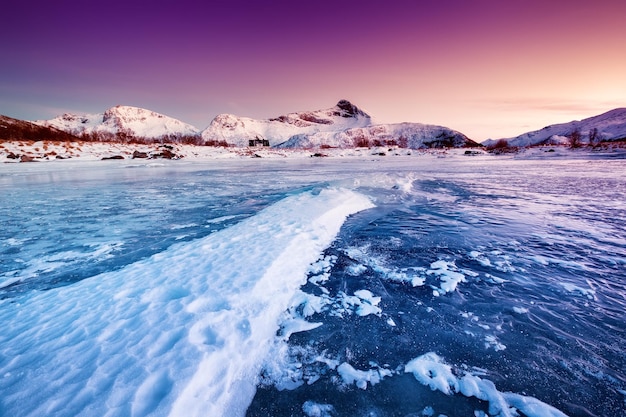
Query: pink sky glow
[[488, 68]]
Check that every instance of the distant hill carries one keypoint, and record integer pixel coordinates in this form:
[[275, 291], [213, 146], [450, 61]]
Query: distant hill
[[607, 127], [13, 129]]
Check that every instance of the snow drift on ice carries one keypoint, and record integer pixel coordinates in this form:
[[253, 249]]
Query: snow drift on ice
[[183, 333]]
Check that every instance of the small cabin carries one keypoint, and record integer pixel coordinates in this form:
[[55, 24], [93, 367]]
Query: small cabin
[[258, 142]]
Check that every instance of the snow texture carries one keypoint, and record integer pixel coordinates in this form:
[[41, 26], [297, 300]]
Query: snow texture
[[159, 339]]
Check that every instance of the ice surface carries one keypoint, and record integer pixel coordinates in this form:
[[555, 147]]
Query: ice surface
[[536, 319], [181, 333]]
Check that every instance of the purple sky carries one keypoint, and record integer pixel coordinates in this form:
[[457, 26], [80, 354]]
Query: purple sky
[[489, 68]]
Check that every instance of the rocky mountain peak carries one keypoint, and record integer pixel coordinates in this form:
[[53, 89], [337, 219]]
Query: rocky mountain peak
[[350, 110]]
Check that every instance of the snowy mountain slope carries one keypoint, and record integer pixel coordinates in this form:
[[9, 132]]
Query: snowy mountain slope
[[611, 126], [15, 129], [239, 130], [406, 135], [123, 122], [342, 126]]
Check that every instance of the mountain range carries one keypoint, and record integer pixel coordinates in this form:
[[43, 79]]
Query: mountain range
[[607, 126], [342, 126]]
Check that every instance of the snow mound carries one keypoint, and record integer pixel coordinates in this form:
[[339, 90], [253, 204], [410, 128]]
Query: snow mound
[[182, 333]]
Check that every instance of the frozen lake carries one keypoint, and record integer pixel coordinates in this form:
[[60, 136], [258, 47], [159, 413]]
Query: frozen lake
[[388, 286]]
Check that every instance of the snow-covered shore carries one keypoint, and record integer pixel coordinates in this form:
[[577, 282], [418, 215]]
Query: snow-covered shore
[[22, 151], [48, 151]]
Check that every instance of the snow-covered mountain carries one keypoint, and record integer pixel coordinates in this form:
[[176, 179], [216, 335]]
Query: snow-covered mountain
[[405, 135], [610, 126], [239, 130], [124, 123], [344, 126]]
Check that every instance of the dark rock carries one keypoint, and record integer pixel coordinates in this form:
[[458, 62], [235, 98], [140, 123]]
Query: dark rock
[[27, 158], [348, 107], [165, 154], [11, 155], [141, 155], [106, 158]]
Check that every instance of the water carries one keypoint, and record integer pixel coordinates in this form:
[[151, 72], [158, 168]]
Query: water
[[537, 248]]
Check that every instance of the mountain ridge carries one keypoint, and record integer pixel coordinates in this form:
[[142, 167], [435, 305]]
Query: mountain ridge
[[610, 125], [16, 129], [124, 123], [239, 131], [343, 125]]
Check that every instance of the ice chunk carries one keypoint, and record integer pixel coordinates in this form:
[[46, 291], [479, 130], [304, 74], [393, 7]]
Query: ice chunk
[[428, 411], [369, 303], [350, 375], [295, 325], [313, 409], [362, 303], [431, 370], [480, 258], [448, 277]]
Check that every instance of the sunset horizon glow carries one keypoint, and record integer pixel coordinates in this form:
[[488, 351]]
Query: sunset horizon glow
[[486, 68]]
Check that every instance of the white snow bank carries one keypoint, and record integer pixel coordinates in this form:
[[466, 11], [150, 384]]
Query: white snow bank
[[429, 369], [183, 333]]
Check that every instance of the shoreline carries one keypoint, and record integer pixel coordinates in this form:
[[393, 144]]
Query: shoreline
[[54, 151]]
